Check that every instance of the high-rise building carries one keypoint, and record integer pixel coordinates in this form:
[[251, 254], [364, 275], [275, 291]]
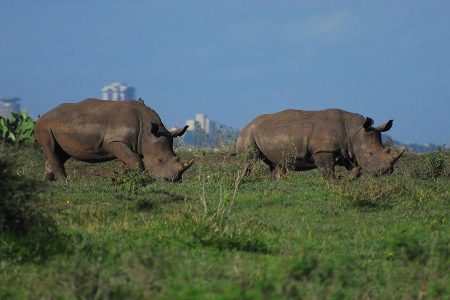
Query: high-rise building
[[204, 122], [201, 121], [192, 124], [9, 105], [117, 91]]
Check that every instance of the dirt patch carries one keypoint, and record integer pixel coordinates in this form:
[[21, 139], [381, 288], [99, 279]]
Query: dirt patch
[[79, 168]]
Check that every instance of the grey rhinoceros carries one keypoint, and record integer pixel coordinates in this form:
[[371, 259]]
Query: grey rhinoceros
[[98, 130], [305, 140]]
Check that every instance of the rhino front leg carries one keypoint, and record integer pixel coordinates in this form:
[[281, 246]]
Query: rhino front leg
[[276, 172], [126, 155], [325, 161], [354, 173]]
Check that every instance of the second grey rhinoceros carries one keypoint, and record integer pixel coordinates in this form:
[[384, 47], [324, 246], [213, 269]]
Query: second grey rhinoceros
[[98, 130], [305, 140]]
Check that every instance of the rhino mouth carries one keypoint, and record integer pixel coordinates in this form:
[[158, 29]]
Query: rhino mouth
[[178, 178]]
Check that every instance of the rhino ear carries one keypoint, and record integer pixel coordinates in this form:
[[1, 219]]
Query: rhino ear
[[179, 131], [385, 127], [368, 123], [155, 129], [158, 132]]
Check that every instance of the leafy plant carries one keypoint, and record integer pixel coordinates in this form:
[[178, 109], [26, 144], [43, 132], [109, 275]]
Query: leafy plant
[[18, 128]]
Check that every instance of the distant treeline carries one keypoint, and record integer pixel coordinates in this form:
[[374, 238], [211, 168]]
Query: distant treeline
[[413, 147]]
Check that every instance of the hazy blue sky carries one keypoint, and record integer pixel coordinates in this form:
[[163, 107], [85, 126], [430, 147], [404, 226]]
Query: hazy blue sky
[[234, 60]]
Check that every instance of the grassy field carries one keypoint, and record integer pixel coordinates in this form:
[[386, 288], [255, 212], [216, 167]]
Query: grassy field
[[217, 235]]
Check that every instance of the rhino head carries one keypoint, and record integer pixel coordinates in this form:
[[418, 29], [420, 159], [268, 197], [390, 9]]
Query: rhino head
[[369, 151], [158, 155]]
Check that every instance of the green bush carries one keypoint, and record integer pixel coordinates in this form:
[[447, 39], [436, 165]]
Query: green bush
[[26, 229], [431, 166], [18, 201], [18, 128]]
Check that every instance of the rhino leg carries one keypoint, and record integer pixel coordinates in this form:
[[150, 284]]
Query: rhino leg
[[54, 168], [252, 156], [325, 161], [276, 172], [126, 155], [56, 157], [354, 173]]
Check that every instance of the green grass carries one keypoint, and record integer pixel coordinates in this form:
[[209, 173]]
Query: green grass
[[220, 236]]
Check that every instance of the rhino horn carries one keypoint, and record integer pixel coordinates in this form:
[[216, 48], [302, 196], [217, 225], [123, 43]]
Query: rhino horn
[[397, 155], [186, 166], [179, 131], [385, 127], [174, 133]]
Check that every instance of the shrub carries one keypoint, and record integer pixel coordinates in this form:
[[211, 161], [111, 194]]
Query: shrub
[[18, 128], [409, 246], [18, 203], [431, 166], [26, 229]]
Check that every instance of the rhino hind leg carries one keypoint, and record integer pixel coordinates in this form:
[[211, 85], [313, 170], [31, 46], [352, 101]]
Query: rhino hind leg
[[252, 156], [56, 157], [326, 162], [123, 152]]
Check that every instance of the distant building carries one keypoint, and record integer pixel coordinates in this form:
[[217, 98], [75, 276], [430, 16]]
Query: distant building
[[117, 91], [204, 132], [201, 121], [192, 124], [9, 105]]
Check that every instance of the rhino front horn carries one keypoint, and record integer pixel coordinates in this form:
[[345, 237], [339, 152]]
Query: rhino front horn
[[187, 165], [397, 155]]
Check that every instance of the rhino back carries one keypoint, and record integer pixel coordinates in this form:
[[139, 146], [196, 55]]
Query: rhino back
[[84, 129], [301, 132]]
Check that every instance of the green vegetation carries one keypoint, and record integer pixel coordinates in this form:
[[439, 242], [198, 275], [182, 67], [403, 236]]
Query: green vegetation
[[219, 235], [18, 128]]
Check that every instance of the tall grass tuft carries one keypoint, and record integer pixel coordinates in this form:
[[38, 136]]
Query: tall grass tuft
[[212, 224], [368, 191]]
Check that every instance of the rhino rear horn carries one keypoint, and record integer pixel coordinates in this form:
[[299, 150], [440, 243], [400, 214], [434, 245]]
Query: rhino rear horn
[[385, 127], [179, 131]]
